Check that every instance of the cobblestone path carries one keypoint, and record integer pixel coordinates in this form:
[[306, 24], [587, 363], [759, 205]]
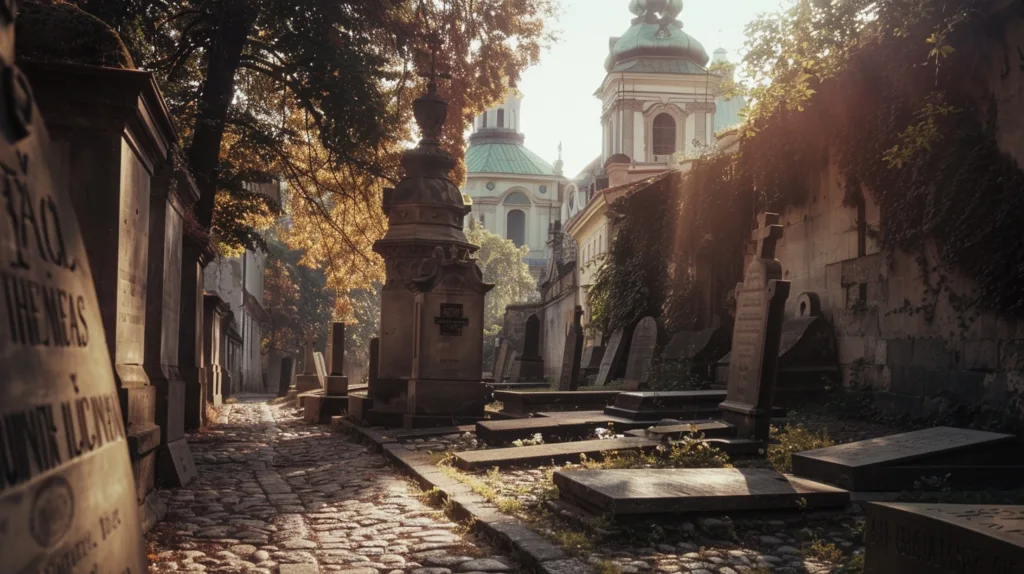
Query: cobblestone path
[[276, 494]]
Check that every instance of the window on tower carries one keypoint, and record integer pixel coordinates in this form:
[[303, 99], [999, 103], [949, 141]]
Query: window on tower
[[501, 118], [664, 135]]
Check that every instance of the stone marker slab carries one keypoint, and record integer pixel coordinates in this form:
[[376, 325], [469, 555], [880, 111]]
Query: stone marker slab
[[710, 429], [612, 358], [895, 462], [654, 406], [943, 538], [641, 350], [671, 491], [521, 402], [564, 426], [572, 354], [543, 454], [500, 362], [175, 467]]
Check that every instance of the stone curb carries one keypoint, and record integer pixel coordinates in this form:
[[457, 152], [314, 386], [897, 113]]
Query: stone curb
[[532, 549]]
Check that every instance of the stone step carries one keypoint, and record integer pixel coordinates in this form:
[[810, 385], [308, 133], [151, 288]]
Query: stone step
[[565, 427], [653, 416], [649, 492], [544, 454], [710, 429], [533, 401]]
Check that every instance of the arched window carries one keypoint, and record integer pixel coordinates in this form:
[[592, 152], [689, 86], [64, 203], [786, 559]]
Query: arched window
[[515, 227], [501, 117], [516, 198], [664, 135]]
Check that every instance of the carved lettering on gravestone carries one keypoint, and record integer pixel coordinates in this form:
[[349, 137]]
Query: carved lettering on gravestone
[[451, 320], [757, 334], [611, 359], [66, 486]]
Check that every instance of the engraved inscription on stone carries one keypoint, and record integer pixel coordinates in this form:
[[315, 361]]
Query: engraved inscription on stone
[[451, 320], [133, 244]]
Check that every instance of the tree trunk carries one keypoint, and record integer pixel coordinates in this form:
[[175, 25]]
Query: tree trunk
[[237, 18]]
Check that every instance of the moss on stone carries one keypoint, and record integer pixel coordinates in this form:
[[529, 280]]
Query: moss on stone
[[55, 31]]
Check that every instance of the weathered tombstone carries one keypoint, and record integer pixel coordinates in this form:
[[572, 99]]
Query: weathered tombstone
[[214, 311], [757, 334], [612, 359], [896, 462], [448, 353], [515, 367], [500, 364], [648, 492], [111, 130], [943, 538], [572, 354], [66, 471], [371, 378], [308, 380], [590, 364], [321, 368], [531, 364], [701, 349], [494, 356], [286, 376], [336, 381], [641, 351]]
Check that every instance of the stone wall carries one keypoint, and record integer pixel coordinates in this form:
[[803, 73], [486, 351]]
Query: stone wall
[[901, 323]]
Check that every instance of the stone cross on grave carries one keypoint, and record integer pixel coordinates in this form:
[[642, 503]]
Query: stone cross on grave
[[757, 335]]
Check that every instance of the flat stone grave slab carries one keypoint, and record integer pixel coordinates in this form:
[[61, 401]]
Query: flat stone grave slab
[[507, 386], [410, 434], [943, 538], [659, 491], [543, 454], [641, 492], [555, 427], [523, 402], [666, 405], [710, 429], [895, 462]]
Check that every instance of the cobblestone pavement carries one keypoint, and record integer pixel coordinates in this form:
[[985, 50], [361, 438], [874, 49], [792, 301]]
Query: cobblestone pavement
[[276, 494]]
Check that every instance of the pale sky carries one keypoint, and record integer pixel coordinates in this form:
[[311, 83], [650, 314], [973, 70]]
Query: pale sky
[[559, 104]]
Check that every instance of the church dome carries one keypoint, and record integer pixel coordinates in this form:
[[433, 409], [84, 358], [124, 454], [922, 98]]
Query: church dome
[[497, 145], [656, 34]]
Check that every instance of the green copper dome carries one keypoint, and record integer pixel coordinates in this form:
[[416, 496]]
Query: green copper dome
[[656, 33]]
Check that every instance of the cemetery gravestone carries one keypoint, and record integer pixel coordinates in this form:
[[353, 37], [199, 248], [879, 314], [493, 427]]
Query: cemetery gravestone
[[572, 354], [336, 381], [308, 380], [214, 311], [612, 359], [760, 303], [590, 364], [515, 368], [500, 362], [69, 474], [531, 365], [287, 374], [321, 368], [702, 349], [943, 538], [641, 351], [494, 356], [894, 463]]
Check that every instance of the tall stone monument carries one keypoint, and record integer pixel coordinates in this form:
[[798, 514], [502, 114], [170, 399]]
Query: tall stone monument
[[573, 353], [757, 334], [308, 380], [440, 290], [66, 485]]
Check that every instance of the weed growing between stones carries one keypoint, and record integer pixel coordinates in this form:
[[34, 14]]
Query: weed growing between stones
[[690, 452], [536, 439], [826, 552], [793, 439]]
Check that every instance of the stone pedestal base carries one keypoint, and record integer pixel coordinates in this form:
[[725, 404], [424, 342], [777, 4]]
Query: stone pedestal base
[[358, 407], [174, 465], [170, 403], [306, 383], [389, 395], [447, 398], [337, 385], [319, 408], [750, 422]]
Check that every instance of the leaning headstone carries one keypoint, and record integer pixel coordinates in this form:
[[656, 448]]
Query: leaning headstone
[[896, 462], [500, 369], [701, 349], [590, 364], [66, 470], [612, 360], [308, 380], [531, 364], [943, 538], [321, 368], [641, 351], [572, 354], [515, 367], [494, 356], [757, 334]]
